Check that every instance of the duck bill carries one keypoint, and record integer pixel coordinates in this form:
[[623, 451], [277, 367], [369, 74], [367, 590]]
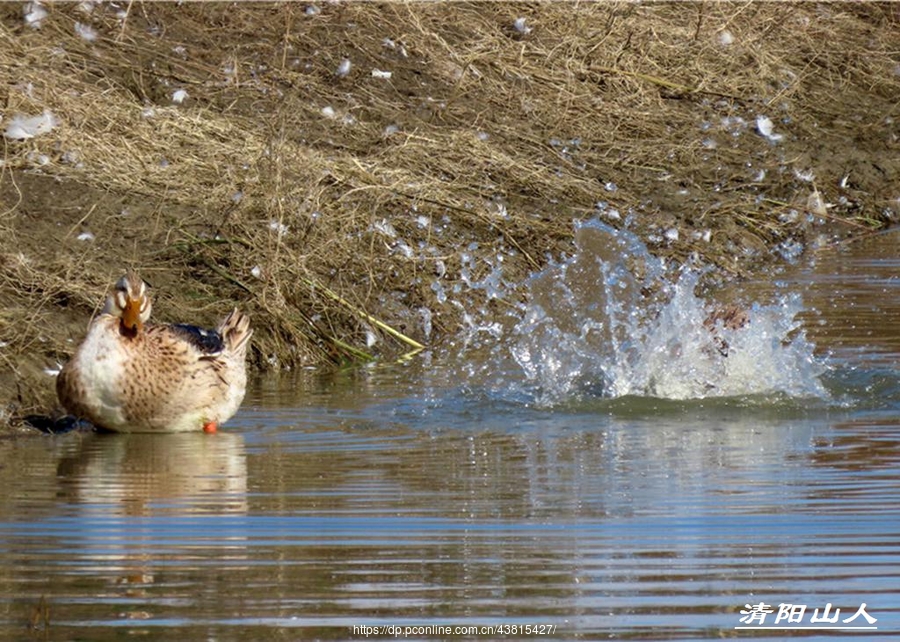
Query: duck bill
[[131, 316]]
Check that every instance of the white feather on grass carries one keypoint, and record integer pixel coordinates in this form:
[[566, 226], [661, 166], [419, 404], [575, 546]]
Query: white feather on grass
[[24, 127], [343, 68], [34, 14], [765, 127], [520, 26], [87, 32]]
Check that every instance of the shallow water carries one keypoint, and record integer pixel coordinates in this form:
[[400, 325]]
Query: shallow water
[[407, 496]]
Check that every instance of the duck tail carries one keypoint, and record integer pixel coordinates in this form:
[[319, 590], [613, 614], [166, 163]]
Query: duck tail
[[236, 331]]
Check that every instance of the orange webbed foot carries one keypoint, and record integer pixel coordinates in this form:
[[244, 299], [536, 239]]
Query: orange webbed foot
[[210, 427]]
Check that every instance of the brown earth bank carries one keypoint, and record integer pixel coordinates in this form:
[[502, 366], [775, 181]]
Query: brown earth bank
[[326, 166]]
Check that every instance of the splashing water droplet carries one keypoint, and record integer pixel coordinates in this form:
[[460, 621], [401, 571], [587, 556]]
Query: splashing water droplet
[[611, 321]]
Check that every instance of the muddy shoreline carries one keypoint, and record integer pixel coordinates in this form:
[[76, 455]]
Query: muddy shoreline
[[346, 172]]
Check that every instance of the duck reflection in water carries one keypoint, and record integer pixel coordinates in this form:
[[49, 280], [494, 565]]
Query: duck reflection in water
[[131, 489]]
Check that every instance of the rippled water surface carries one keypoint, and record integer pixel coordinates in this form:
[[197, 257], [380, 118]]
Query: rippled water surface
[[411, 495]]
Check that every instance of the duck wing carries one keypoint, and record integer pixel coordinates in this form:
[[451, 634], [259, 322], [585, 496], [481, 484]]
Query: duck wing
[[208, 343]]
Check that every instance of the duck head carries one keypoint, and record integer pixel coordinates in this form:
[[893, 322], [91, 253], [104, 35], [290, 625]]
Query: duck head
[[130, 302]]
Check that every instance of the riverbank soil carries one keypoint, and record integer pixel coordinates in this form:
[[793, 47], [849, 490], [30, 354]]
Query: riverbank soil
[[345, 170]]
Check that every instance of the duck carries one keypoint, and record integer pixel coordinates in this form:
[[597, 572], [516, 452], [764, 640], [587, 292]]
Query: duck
[[131, 375], [731, 317]]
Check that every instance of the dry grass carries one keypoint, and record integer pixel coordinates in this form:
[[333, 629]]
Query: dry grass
[[483, 135]]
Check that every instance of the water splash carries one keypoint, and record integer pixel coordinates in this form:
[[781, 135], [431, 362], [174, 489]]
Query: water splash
[[611, 321]]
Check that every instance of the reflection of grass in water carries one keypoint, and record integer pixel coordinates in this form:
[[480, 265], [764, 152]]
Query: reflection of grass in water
[[39, 620], [868, 386], [763, 407]]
